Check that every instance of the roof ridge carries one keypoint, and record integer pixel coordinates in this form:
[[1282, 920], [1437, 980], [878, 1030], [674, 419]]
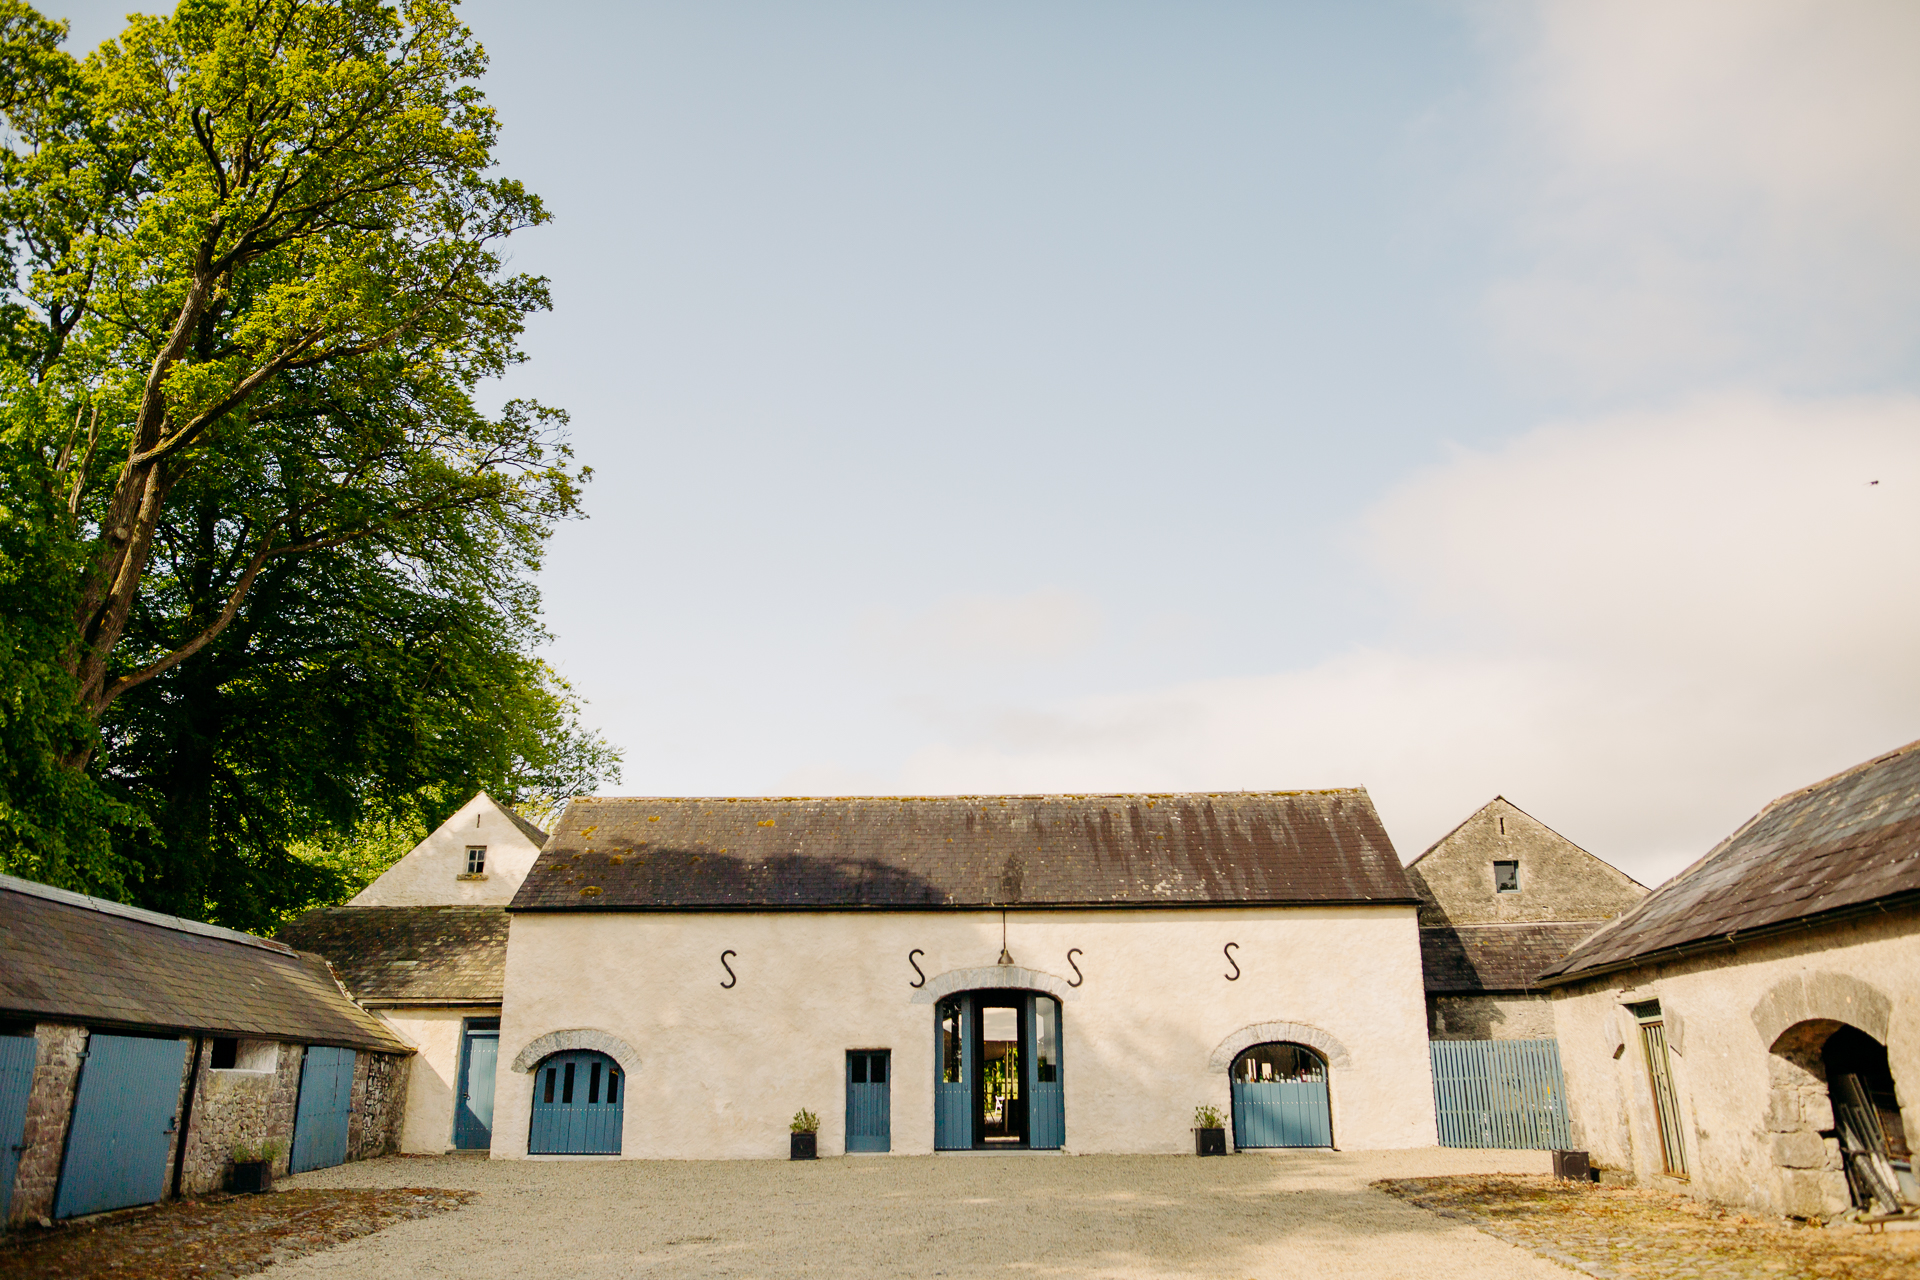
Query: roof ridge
[[1028, 795], [179, 924]]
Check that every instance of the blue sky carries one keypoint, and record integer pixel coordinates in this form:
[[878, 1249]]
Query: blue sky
[[1451, 399]]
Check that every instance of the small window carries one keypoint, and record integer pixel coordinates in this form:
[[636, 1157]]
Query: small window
[[878, 1066], [476, 859], [226, 1052], [1506, 877], [593, 1083], [566, 1087], [613, 1086], [550, 1074], [857, 1064]]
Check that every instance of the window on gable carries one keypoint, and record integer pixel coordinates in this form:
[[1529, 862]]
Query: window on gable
[[476, 859], [1506, 877]]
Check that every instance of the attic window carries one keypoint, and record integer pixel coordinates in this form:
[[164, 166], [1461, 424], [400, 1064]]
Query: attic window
[[476, 859], [1506, 877]]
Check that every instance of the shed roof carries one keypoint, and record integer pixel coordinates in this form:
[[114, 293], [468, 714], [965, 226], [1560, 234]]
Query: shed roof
[[1850, 841], [1475, 958], [932, 852], [441, 955], [68, 957]]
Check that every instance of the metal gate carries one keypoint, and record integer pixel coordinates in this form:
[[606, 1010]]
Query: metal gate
[[1280, 1098], [1505, 1094], [123, 1124], [869, 1106], [321, 1120], [577, 1106], [473, 1116], [17, 1055]]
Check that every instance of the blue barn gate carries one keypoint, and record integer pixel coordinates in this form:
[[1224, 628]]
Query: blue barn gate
[[869, 1100], [17, 1056], [321, 1119], [1500, 1093], [1280, 1098], [577, 1106], [123, 1125], [479, 1058]]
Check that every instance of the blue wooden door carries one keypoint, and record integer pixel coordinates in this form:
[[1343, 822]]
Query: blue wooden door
[[326, 1108], [17, 1056], [953, 1074], [577, 1106], [1046, 1091], [473, 1112], [1280, 1098], [123, 1124], [869, 1104], [1500, 1093]]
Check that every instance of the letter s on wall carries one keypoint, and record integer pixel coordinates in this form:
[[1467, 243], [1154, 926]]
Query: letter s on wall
[[731, 978], [916, 968], [1078, 977], [1227, 951]]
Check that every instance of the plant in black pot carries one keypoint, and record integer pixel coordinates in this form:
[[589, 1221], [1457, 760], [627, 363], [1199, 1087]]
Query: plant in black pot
[[253, 1166], [1209, 1134], [803, 1143]]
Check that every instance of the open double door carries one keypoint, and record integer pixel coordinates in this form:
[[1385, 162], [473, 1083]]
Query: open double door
[[998, 1081]]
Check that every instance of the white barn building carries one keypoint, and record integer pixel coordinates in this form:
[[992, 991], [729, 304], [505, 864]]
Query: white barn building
[[1007, 972]]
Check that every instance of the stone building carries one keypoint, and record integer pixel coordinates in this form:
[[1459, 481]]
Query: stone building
[[1502, 896], [139, 1051], [1750, 1032], [425, 947], [1014, 973]]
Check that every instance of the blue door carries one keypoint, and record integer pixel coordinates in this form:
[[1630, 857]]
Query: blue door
[[869, 1108], [1047, 1110], [953, 1074], [123, 1125], [577, 1105], [17, 1054], [473, 1111], [326, 1108], [1280, 1098]]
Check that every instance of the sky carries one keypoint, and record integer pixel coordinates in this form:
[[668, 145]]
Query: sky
[[1450, 399]]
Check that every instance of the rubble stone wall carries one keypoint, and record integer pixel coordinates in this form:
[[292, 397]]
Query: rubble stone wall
[[233, 1108], [56, 1075]]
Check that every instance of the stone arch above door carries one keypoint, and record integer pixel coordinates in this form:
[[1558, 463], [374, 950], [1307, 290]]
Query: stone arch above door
[[988, 977], [553, 1042], [1270, 1032], [1822, 996]]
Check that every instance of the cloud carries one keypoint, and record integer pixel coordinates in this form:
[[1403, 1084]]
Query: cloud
[[1046, 625], [1640, 628], [1709, 187]]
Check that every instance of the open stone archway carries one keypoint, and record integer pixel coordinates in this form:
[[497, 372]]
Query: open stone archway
[[538, 1050]]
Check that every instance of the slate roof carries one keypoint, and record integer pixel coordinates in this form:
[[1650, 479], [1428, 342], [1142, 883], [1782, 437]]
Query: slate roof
[[914, 852], [527, 829], [70, 958], [1848, 842], [1481, 958], [442, 955]]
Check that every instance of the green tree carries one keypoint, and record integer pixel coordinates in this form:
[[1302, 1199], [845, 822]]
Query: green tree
[[256, 258]]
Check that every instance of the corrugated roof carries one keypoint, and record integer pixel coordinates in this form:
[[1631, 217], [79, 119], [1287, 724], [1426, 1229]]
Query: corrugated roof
[[1849, 841], [69, 958], [1495, 957], [440, 955], [909, 852]]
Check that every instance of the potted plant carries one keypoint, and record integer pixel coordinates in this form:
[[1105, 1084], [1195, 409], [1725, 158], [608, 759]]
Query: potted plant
[[803, 1142], [253, 1166], [1209, 1134]]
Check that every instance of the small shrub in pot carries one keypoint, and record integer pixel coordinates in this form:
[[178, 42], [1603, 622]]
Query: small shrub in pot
[[1209, 1131], [803, 1140], [253, 1166]]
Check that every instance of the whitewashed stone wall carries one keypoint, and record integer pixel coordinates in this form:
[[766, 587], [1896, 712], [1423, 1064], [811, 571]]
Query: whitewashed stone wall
[[721, 1070], [433, 1073]]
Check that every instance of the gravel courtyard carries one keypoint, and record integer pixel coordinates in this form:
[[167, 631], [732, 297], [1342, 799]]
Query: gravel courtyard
[[1274, 1217]]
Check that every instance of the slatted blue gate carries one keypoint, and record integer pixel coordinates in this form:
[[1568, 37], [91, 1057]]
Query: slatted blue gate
[[578, 1102], [869, 1106], [123, 1124], [473, 1117], [1280, 1098], [953, 1074], [17, 1056], [1500, 1093], [321, 1120]]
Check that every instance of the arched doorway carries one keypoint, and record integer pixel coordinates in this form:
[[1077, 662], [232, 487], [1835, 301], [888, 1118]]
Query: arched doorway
[[578, 1098], [998, 1075], [1866, 1118], [1832, 1085], [1280, 1097]]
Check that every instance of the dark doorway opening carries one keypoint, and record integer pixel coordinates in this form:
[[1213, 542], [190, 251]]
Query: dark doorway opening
[[1866, 1114], [999, 1100]]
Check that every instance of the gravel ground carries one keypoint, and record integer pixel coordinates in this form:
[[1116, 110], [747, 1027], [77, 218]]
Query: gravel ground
[[1650, 1234], [1274, 1216]]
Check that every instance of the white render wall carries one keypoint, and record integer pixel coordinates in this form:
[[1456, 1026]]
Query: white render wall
[[433, 873], [1750, 1118], [434, 1072], [719, 1072]]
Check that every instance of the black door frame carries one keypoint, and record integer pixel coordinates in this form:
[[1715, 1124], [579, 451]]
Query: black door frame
[[1020, 1001]]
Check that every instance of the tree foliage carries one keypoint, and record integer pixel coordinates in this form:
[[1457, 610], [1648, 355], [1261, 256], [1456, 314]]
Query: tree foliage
[[256, 257]]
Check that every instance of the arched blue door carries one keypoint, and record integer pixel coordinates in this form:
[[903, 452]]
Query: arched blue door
[[577, 1101], [1280, 1098]]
